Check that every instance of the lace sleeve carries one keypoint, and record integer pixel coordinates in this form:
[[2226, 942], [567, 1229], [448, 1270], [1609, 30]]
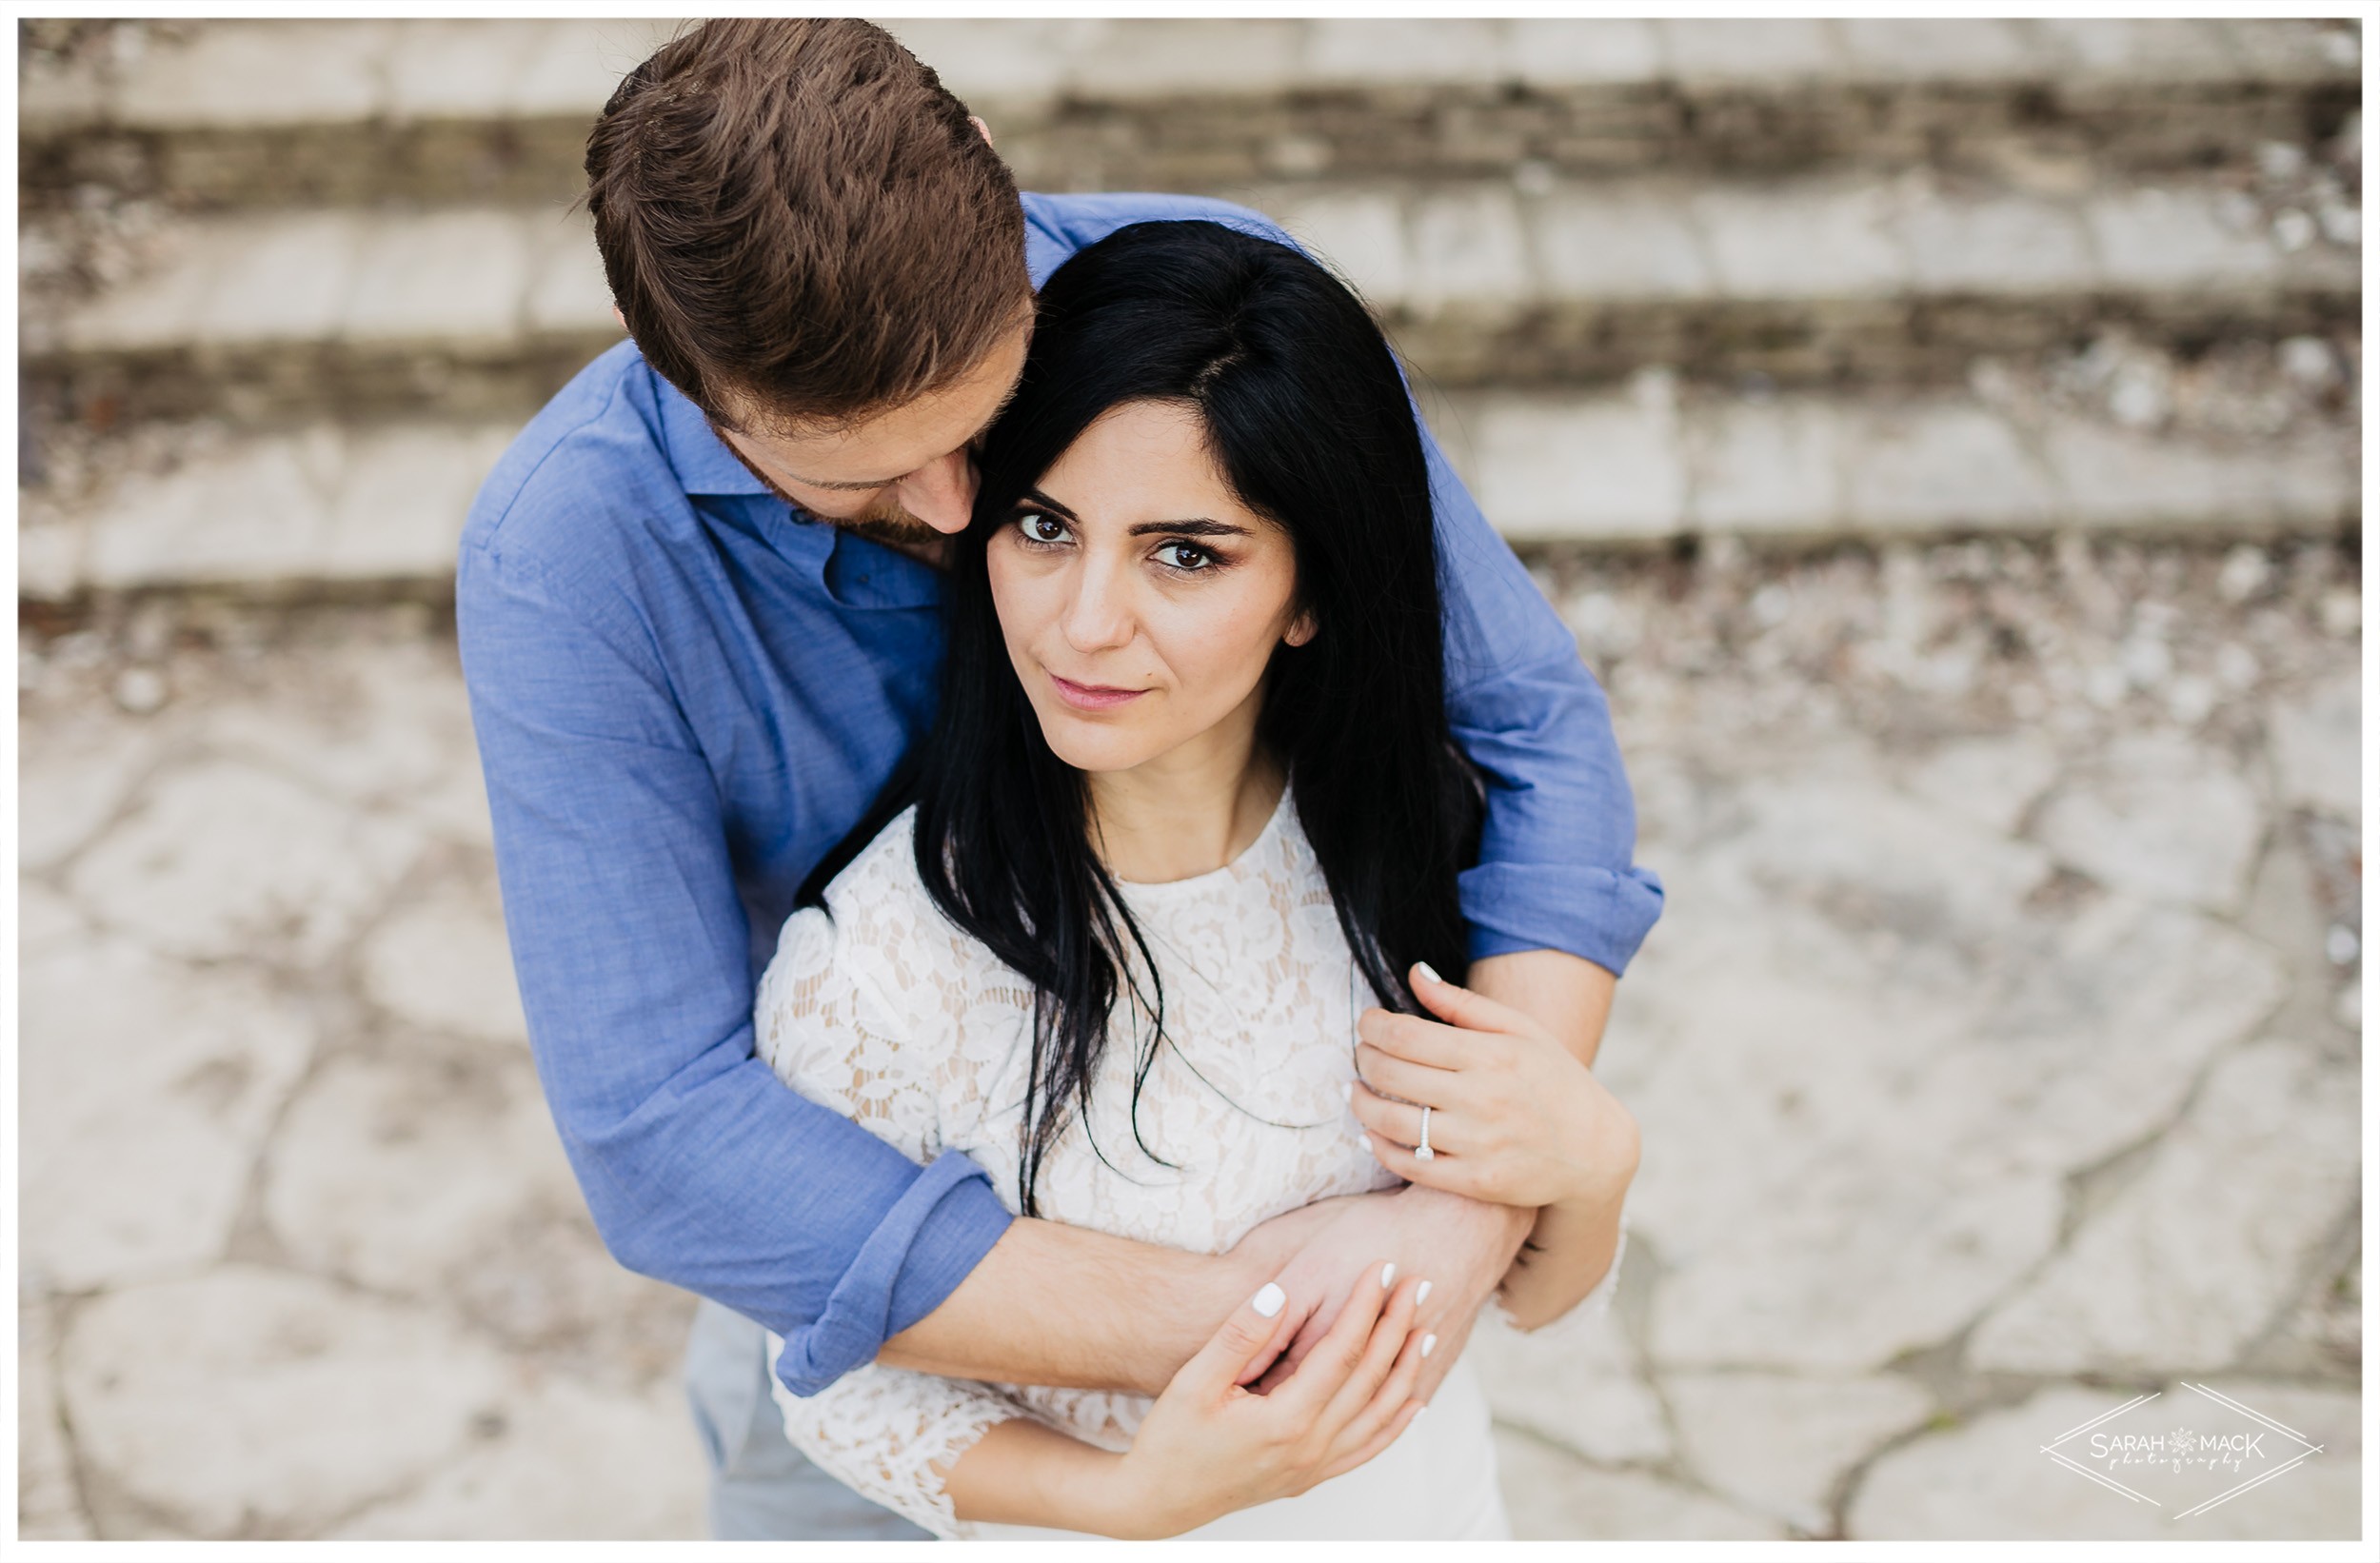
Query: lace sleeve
[[882, 1431], [821, 1025], [854, 1031], [1597, 1304]]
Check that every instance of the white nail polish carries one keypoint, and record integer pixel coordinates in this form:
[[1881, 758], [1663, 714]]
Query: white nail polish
[[1351, 1092], [1269, 1300], [1429, 1344], [1366, 1140], [1422, 1296], [1418, 1415], [1429, 972], [1388, 1276]]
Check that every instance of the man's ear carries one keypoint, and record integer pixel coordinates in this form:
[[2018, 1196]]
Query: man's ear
[[1302, 629], [980, 129]]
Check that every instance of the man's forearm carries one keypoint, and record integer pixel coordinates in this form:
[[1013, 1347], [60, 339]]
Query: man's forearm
[[1569, 1249], [1570, 996], [1568, 1254], [1063, 1305]]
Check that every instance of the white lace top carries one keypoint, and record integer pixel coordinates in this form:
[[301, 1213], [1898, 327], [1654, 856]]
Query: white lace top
[[888, 1014]]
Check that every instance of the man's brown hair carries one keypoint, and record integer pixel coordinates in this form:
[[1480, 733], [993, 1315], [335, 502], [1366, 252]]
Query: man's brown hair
[[797, 215]]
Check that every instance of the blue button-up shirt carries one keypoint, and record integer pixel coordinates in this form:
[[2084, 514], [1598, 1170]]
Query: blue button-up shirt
[[686, 693]]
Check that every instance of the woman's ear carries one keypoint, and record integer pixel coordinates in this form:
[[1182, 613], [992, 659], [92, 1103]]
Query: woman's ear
[[1302, 629]]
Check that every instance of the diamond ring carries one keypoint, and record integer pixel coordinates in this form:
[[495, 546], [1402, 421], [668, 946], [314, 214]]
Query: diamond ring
[[1422, 1151]]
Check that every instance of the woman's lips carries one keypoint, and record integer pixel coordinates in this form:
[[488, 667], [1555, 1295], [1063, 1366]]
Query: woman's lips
[[1093, 697]]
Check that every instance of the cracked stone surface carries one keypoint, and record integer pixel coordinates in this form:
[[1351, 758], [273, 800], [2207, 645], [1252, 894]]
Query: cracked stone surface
[[2189, 1263], [386, 726], [2161, 820], [1949, 1122], [2326, 1332], [76, 780], [2316, 749], [1729, 1423], [251, 1402], [564, 1462], [441, 963], [398, 1171], [49, 1507], [441, 1178], [1866, 1047], [44, 917], [125, 1184], [281, 1114], [1986, 1479], [1989, 781], [223, 858], [1580, 1389], [1552, 1497]]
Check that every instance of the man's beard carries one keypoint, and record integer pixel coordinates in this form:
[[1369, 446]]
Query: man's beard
[[884, 521]]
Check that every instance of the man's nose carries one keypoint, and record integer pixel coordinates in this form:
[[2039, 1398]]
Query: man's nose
[[941, 493]]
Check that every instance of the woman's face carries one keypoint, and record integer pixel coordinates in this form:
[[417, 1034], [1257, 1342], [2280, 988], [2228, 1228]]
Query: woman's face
[[1140, 599]]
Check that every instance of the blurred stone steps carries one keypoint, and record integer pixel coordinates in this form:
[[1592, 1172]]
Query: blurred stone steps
[[290, 285], [353, 113], [1176, 104], [472, 310], [344, 311], [1828, 279], [378, 508], [1658, 462]]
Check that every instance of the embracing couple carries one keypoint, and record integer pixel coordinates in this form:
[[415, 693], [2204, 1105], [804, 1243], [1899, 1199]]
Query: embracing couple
[[1060, 875]]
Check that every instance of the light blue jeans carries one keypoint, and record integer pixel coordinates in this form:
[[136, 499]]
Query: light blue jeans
[[761, 1487]]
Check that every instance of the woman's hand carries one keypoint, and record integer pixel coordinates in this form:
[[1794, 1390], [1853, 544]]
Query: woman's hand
[[1515, 1118], [1209, 1448], [1460, 1249]]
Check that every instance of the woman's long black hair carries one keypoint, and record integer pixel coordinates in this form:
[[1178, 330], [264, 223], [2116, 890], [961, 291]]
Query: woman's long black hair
[[1311, 423]]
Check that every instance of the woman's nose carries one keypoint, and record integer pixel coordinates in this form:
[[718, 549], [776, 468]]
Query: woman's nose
[[1097, 615]]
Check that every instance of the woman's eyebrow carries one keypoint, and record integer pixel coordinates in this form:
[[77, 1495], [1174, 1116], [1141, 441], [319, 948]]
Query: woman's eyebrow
[[1193, 526], [1036, 497], [1189, 526]]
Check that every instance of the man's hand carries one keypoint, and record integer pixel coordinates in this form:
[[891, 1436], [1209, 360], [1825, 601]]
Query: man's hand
[[1265, 1252], [1461, 1247]]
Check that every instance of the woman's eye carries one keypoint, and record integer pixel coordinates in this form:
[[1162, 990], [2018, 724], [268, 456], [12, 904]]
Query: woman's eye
[[1042, 528], [1185, 556]]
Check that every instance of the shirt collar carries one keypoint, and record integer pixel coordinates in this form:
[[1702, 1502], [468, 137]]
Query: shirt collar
[[856, 572], [702, 464]]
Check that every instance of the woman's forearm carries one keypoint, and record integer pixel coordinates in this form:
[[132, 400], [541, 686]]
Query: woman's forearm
[[1023, 1473], [1568, 1252]]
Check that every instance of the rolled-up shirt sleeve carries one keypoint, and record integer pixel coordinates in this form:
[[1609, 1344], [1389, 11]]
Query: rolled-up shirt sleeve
[[631, 948], [1556, 866]]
